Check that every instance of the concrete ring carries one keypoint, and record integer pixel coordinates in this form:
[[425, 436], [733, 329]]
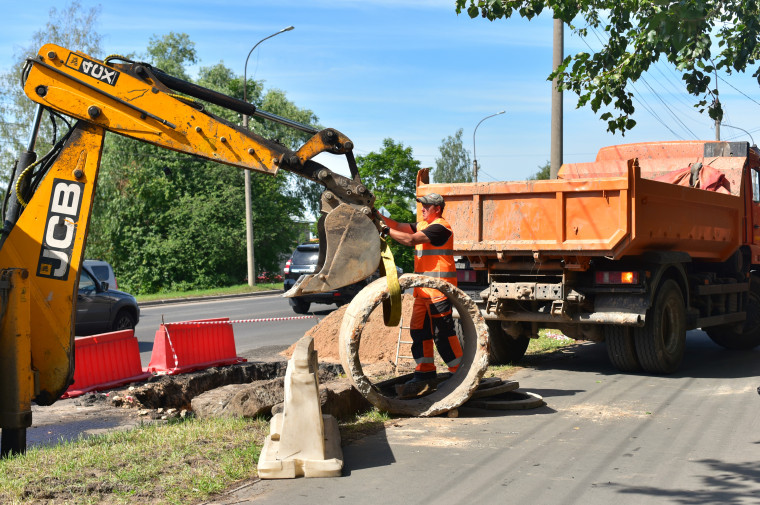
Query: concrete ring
[[451, 393]]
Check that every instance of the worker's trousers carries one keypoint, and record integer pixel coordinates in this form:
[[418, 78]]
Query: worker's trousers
[[432, 322]]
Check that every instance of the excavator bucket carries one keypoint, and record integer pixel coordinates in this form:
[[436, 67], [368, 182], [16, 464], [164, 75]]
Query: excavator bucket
[[352, 252]]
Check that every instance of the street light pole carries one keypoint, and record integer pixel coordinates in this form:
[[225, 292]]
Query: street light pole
[[247, 173], [474, 156]]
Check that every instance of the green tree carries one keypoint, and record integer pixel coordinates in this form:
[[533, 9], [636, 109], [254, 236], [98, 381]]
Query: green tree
[[699, 37], [169, 221], [71, 27], [309, 192], [543, 174], [454, 163], [172, 52], [391, 175]]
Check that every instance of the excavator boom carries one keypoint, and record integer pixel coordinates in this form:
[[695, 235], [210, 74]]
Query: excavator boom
[[138, 101]]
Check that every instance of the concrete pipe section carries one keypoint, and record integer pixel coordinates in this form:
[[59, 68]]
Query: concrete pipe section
[[450, 394]]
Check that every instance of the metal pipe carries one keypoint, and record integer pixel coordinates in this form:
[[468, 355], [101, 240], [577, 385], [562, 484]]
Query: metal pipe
[[622, 318], [35, 129]]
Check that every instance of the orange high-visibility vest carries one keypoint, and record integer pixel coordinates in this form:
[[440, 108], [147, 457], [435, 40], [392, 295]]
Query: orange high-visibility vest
[[435, 261]]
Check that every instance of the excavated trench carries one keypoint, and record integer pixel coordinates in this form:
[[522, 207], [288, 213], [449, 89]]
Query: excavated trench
[[177, 391]]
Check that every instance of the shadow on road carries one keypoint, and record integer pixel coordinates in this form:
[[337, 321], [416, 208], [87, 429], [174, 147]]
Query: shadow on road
[[368, 452], [725, 483], [703, 359], [549, 393]]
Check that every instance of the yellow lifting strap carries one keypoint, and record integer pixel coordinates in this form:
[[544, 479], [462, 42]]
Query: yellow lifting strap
[[392, 304]]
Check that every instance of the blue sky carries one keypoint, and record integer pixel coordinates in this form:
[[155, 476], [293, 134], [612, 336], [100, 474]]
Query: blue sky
[[412, 71]]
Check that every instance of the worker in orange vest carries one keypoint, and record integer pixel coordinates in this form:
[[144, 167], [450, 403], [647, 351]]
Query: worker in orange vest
[[432, 320]]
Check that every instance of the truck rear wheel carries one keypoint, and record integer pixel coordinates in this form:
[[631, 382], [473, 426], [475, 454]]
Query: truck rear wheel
[[661, 343], [503, 348], [745, 336], [621, 348]]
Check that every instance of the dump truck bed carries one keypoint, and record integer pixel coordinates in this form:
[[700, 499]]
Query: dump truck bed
[[604, 208]]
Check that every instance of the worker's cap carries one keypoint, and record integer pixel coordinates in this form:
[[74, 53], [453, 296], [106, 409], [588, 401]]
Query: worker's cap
[[432, 199]]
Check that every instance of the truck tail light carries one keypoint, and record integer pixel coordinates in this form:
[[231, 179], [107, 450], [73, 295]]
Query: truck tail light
[[617, 277], [287, 266]]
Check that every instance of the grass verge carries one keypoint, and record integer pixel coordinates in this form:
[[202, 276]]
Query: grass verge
[[179, 462], [231, 290]]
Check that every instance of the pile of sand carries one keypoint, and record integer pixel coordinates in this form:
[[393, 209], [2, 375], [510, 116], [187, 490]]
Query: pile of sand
[[377, 344]]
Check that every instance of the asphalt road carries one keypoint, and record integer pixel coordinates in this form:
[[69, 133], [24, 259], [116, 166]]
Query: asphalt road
[[603, 438], [248, 336]]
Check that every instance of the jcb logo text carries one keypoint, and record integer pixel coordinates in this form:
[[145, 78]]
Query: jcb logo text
[[96, 70], [60, 229]]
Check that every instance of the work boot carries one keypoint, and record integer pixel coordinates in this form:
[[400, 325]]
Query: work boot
[[422, 377], [421, 384]]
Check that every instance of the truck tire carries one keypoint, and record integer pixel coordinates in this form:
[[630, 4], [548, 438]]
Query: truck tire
[[661, 342], [503, 348], [621, 348], [747, 336], [299, 306]]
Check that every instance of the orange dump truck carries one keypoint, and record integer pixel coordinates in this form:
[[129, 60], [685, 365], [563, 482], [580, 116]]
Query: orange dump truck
[[635, 248]]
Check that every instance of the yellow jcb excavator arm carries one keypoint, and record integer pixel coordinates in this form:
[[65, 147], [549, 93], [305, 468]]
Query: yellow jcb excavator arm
[[48, 206]]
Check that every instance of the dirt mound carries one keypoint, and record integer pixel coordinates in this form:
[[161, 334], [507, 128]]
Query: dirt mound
[[378, 342]]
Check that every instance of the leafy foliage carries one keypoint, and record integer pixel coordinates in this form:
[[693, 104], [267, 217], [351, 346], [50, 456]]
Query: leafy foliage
[[640, 33], [543, 174], [172, 52], [391, 175], [454, 163], [70, 27]]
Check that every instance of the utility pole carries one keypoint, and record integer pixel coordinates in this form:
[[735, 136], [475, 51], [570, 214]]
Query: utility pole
[[557, 120], [717, 102]]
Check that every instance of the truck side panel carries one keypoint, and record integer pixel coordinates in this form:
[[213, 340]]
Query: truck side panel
[[614, 217], [704, 224]]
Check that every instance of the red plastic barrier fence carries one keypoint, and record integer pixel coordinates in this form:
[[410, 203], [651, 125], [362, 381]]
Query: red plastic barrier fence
[[193, 345], [105, 361]]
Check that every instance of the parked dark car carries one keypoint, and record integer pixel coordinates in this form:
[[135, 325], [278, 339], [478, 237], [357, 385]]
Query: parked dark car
[[101, 309], [103, 272], [303, 262]]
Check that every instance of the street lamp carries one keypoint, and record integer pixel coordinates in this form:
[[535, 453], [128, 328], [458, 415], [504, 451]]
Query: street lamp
[[742, 129], [474, 156], [247, 176]]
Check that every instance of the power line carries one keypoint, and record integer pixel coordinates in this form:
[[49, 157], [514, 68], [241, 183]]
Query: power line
[[639, 98], [678, 94], [737, 89], [668, 108]]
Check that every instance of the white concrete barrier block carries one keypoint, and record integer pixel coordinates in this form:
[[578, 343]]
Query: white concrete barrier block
[[302, 441]]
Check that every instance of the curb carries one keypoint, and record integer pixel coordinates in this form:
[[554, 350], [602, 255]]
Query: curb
[[190, 299]]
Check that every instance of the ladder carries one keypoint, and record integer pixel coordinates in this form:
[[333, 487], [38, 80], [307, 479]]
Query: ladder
[[401, 328]]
